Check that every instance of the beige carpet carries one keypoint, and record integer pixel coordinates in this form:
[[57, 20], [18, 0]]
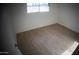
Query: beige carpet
[[50, 40]]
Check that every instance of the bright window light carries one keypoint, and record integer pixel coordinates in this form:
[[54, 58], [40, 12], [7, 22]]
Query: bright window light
[[37, 7]]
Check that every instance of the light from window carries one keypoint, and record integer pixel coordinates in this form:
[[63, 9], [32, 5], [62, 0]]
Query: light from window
[[37, 7]]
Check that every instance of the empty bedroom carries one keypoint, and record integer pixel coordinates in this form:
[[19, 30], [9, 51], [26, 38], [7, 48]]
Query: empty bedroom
[[40, 28]]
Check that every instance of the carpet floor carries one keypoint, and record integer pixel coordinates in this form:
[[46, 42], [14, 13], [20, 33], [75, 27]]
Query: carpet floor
[[49, 40]]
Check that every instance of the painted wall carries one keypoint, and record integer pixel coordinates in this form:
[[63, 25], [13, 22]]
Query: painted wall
[[8, 36], [24, 21], [65, 14], [68, 15]]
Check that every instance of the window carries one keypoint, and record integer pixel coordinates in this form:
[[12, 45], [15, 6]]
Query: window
[[37, 7]]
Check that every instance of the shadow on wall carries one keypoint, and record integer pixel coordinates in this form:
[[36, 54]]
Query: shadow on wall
[[7, 35], [68, 16]]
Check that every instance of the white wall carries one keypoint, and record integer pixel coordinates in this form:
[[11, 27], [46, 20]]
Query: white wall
[[24, 22], [68, 15], [7, 32], [65, 14]]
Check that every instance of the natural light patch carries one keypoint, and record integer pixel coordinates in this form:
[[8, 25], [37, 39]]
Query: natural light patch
[[37, 7], [71, 49]]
